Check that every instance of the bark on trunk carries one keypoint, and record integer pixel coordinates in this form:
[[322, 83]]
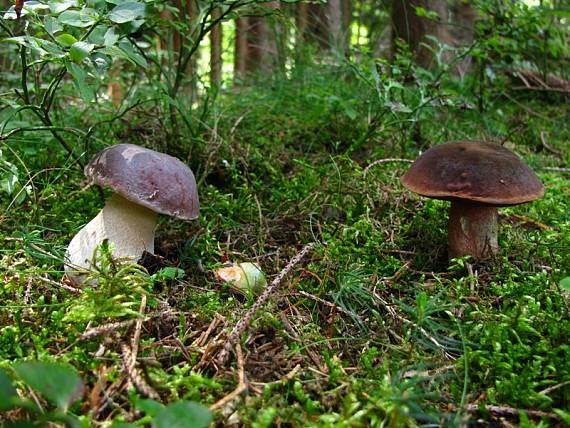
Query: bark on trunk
[[413, 30], [241, 48], [216, 51]]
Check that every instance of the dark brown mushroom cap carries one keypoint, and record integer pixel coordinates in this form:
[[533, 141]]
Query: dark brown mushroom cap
[[475, 171], [155, 180]]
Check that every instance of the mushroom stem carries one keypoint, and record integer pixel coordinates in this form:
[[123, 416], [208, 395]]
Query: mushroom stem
[[125, 224], [472, 230]]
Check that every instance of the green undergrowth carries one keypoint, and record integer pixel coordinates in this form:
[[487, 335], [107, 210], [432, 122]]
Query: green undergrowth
[[376, 328]]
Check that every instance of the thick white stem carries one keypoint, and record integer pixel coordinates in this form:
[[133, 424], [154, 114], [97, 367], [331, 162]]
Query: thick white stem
[[127, 226]]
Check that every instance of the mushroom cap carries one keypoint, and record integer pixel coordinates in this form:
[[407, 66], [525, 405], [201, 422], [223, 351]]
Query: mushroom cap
[[154, 180], [474, 171]]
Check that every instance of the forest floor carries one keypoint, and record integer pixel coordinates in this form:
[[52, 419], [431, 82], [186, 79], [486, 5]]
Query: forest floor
[[374, 326]]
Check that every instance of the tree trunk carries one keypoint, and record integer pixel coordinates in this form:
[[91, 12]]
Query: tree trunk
[[274, 46], [347, 23], [241, 48], [413, 30], [260, 40], [335, 27], [301, 22], [317, 28], [256, 34], [216, 51], [462, 14]]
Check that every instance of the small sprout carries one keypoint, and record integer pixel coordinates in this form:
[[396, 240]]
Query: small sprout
[[243, 277]]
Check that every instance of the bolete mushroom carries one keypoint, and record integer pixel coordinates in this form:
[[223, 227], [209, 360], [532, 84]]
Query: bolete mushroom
[[477, 177], [145, 183]]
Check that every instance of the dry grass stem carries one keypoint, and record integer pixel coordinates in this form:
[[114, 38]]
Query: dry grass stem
[[241, 387], [510, 411], [243, 324], [134, 376]]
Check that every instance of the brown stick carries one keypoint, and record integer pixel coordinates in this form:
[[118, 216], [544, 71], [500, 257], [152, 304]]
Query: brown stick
[[243, 324], [133, 374], [241, 387], [510, 411]]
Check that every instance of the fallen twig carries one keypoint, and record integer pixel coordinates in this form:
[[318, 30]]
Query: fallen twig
[[243, 324], [555, 169], [322, 301], [548, 390], [137, 335], [66, 287], [241, 387], [133, 375], [510, 411], [285, 378], [548, 146], [387, 160], [114, 326]]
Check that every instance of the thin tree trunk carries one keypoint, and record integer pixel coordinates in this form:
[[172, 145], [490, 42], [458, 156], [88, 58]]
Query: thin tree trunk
[[241, 48], [347, 22], [412, 29], [335, 21], [317, 31], [463, 15], [301, 22], [273, 44], [302, 25], [256, 34], [216, 51]]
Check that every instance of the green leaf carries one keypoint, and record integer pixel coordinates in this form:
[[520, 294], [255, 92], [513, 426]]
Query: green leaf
[[86, 92], [59, 384], [74, 18], [429, 14], [18, 40], [125, 51], [52, 25], [168, 273], [66, 39], [149, 407], [183, 414], [35, 5], [127, 12], [79, 51], [111, 37], [56, 7], [7, 392], [131, 26], [565, 283]]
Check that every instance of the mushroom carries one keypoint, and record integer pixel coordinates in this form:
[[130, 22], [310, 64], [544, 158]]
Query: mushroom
[[477, 177], [244, 277], [144, 183]]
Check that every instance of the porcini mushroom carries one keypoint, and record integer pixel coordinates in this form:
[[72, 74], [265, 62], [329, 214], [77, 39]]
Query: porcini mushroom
[[477, 177], [145, 183]]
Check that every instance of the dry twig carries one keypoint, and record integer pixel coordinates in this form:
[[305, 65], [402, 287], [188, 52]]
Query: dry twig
[[107, 329], [387, 160], [242, 385], [555, 169], [548, 146], [133, 375], [243, 324], [137, 335], [510, 411]]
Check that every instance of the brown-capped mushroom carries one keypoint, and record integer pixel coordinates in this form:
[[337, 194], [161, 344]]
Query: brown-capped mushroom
[[145, 183], [477, 177]]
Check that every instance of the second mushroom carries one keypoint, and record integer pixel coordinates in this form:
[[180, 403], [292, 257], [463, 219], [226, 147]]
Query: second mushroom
[[477, 177]]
